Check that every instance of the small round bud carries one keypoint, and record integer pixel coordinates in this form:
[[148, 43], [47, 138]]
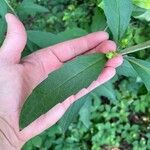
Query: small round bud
[[110, 55]]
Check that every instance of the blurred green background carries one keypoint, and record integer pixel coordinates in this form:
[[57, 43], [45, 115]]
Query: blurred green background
[[120, 122]]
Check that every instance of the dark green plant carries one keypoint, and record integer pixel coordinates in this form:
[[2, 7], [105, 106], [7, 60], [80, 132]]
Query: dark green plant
[[118, 18]]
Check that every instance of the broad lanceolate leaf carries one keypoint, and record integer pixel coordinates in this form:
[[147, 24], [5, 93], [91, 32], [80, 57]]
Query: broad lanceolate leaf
[[44, 39], [61, 84], [118, 13], [98, 21], [143, 70], [126, 69], [3, 8]]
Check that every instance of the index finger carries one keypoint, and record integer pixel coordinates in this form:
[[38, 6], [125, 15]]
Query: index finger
[[67, 50], [70, 49], [47, 60]]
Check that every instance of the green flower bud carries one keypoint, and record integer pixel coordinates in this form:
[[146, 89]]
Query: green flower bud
[[110, 55]]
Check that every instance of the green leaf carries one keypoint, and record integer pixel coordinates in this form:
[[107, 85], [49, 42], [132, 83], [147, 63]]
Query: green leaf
[[59, 85], [69, 34], [126, 69], [143, 70], [3, 8], [98, 21], [44, 39], [30, 8], [40, 38], [72, 112], [118, 13]]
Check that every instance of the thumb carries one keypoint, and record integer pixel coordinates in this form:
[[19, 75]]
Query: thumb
[[15, 40]]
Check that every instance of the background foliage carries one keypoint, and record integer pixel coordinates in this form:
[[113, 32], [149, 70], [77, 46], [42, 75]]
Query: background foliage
[[116, 115]]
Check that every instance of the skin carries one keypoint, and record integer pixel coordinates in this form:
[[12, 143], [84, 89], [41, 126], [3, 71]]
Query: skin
[[18, 77]]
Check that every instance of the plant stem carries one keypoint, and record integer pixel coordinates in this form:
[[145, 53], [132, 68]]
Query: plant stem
[[10, 7], [106, 28], [135, 48]]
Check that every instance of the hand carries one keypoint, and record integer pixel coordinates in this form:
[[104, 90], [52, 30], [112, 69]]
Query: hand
[[18, 77]]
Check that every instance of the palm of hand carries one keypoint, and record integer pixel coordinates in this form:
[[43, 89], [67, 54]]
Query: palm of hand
[[12, 93], [20, 77]]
